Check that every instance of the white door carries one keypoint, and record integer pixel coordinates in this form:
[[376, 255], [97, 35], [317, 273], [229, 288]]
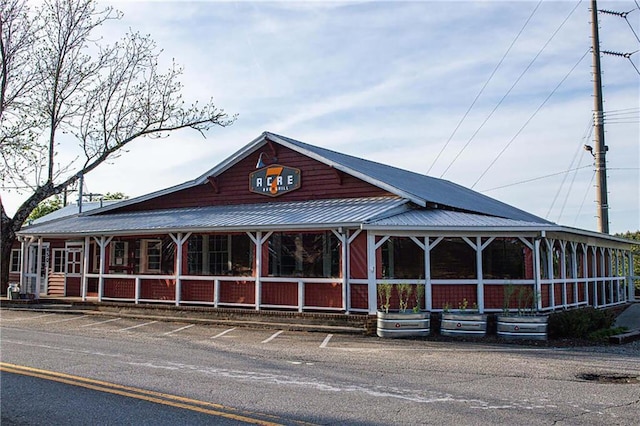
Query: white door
[[32, 270]]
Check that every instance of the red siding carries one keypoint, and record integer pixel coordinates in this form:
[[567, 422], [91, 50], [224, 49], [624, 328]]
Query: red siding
[[323, 295], [319, 181], [237, 292], [157, 289], [73, 287], [120, 288], [197, 291], [284, 294], [453, 295], [359, 296], [358, 257]]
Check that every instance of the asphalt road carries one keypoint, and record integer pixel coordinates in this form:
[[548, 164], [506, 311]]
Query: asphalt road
[[292, 377]]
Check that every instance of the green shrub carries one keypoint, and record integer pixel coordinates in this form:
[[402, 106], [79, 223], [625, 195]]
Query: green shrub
[[602, 335], [578, 323]]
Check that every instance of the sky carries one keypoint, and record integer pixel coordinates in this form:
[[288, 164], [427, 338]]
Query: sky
[[496, 96]]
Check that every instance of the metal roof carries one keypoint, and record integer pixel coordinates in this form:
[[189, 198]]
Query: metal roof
[[264, 216], [429, 219], [417, 188], [410, 184], [72, 209]]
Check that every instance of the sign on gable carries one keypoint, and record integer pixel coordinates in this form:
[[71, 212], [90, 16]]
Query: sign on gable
[[274, 180]]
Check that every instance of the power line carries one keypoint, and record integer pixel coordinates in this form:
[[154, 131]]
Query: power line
[[529, 120], [535, 179], [484, 86], [510, 89], [593, 175], [587, 137]]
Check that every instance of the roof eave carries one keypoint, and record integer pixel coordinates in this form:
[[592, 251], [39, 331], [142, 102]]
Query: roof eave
[[235, 228]]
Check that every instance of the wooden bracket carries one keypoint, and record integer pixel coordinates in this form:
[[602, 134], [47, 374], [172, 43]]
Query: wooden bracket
[[338, 174], [213, 181]]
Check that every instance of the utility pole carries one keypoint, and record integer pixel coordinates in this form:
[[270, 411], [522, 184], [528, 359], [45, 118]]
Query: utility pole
[[600, 148]]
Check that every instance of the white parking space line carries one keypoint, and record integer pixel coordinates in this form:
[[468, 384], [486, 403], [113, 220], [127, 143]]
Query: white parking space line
[[325, 342], [179, 329], [138, 325], [30, 318], [66, 319], [101, 322], [223, 333], [273, 336]]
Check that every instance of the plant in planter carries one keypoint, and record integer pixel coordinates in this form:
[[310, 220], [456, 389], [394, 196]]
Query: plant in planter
[[418, 298], [384, 293], [464, 322], [525, 323], [401, 322]]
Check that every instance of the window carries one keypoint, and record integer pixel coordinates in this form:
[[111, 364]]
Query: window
[[220, 255], [95, 251], [453, 258], [16, 260], [58, 260], [151, 256], [507, 258], [195, 255], [402, 258], [119, 253], [304, 255]]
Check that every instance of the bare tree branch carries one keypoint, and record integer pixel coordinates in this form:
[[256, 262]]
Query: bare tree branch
[[63, 90]]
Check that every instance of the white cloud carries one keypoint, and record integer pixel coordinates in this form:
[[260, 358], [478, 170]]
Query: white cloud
[[389, 81]]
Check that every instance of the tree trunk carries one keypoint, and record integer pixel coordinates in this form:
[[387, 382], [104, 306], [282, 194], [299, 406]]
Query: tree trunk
[[8, 238]]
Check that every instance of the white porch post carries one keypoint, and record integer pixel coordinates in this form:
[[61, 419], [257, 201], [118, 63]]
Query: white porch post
[[585, 270], [552, 294], [179, 241], [259, 240], [258, 243], [428, 293], [536, 271], [631, 283], [594, 274], [371, 273], [38, 269], [574, 271], [85, 269], [23, 261], [563, 271], [349, 240], [344, 244], [102, 243], [480, 248]]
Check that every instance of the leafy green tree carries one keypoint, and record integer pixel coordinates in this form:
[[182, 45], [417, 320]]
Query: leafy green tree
[[114, 196], [636, 254], [63, 89], [44, 208]]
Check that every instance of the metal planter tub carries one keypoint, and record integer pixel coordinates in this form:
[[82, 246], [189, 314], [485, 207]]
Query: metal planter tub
[[522, 327], [403, 324], [463, 325]]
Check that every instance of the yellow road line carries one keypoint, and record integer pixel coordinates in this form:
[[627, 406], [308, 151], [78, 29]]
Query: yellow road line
[[151, 396]]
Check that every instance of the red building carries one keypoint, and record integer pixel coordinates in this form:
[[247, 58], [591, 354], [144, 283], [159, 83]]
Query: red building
[[286, 225]]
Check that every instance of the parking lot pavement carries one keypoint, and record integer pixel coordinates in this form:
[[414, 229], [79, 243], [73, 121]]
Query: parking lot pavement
[[213, 335], [144, 328]]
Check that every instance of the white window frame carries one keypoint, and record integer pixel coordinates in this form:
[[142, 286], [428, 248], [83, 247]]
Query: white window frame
[[113, 260], [95, 247], [61, 253], [15, 254], [144, 256]]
